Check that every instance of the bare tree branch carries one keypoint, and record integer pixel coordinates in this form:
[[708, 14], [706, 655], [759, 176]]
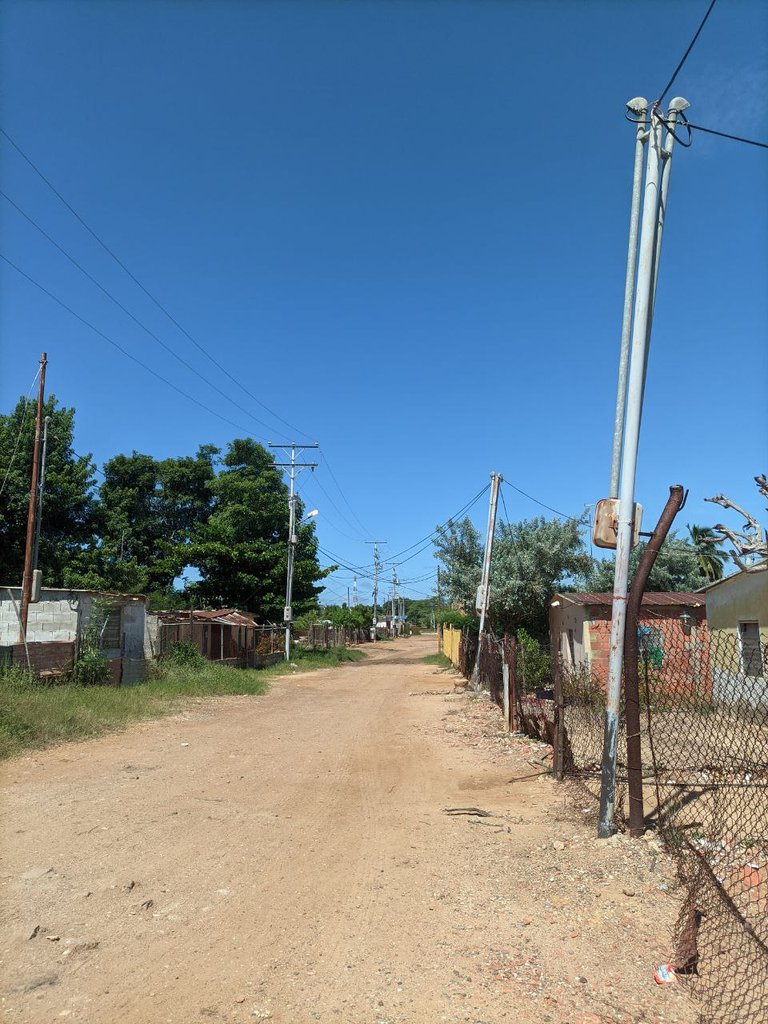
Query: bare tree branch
[[750, 541]]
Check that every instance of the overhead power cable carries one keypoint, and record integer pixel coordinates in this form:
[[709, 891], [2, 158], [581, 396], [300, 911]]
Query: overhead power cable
[[685, 56], [430, 536], [324, 459], [727, 135], [128, 313], [125, 351], [525, 494], [27, 399], [146, 291]]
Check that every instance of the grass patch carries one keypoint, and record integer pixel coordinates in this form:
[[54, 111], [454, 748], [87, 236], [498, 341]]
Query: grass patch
[[441, 660], [33, 715]]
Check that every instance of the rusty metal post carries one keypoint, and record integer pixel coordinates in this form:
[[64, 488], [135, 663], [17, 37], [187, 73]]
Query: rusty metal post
[[559, 721], [631, 682], [26, 582]]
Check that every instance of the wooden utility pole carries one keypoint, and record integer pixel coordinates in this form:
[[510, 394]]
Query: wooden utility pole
[[26, 583]]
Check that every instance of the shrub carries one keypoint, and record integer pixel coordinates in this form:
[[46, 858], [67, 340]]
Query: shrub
[[186, 654]]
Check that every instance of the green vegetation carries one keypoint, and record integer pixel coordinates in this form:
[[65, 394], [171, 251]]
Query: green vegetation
[[221, 513], [33, 715], [437, 659]]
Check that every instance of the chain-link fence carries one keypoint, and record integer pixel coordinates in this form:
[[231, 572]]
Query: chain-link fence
[[704, 771]]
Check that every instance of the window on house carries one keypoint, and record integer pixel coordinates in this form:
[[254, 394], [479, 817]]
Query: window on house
[[751, 661], [111, 632]]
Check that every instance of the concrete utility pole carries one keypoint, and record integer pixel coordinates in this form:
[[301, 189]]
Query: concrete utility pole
[[26, 582], [484, 590], [437, 612], [354, 591], [40, 493], [291, 466], [638, 107], [654, 209], [376, 569]]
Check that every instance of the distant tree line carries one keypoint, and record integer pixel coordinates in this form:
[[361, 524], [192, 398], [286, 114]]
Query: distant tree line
[[145, 522]]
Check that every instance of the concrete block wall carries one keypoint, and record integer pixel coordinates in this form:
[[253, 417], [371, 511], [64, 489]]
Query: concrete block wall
[[54, 618]]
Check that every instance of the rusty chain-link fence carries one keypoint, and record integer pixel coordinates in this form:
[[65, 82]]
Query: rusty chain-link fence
[[704, 768]]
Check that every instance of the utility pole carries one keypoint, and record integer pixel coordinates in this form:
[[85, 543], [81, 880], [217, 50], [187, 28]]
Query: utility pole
[[660, 144], [437, 612], [484, 590], [40, 494], [291, 466], [26, 582], [354, 591], [376, 568]]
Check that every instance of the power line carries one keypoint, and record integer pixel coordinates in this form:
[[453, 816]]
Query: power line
[[429, 537], [125, 351], [146, 291], [27, 398], [726, 135], [128, 313], [684, 58], [343, 495], [525, 494]]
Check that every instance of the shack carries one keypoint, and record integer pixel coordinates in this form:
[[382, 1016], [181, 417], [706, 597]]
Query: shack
[[56, 624], [222, 634]]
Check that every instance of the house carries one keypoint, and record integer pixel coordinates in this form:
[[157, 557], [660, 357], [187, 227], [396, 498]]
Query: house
[[672, 630], [56, 624], [222, 634], [737, 613]]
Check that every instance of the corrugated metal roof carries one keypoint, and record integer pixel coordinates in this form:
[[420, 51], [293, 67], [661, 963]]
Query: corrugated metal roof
[[220, 616], [658, 599]]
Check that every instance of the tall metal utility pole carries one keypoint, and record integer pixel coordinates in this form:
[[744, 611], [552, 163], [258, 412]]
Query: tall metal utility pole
[[484, 590], [638, 107], [354, 591], [660, 144], [395, 612], [376, 569], [26, 582], [40, 496], [291, 466]]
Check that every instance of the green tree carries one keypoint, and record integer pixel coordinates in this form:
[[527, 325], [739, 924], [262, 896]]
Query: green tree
[[532, 560], [68, 521], [460, 552], [677, 567], [708, 551], [241, 549]]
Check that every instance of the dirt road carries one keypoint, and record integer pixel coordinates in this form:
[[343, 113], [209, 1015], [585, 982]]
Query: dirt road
[[289, 858]]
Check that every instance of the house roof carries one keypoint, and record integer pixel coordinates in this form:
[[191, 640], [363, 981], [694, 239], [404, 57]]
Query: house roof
[[739, 574], [654, 599], [219, 616]]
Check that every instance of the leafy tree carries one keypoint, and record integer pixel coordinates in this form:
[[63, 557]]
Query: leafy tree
[[711, 557], [677, 567], [460, 553], [532, 560], [68, 520], [241, 549]]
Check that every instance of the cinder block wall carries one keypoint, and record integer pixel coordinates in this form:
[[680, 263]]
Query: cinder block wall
[[53, 618]]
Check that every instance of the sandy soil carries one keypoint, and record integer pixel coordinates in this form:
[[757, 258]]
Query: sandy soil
[[289, 858]]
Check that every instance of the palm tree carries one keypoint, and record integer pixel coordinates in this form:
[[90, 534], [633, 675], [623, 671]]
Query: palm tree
[[706, 542]]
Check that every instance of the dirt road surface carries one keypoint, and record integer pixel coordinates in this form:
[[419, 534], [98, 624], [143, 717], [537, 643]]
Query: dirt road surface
[[289, 858]]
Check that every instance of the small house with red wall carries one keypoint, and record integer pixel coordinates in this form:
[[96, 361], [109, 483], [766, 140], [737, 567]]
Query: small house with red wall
[[672, 635]]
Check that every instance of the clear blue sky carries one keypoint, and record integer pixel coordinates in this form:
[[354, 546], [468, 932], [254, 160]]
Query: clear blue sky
[[403, 226]]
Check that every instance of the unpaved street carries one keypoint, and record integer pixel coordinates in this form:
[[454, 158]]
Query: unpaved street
[[288, 858]]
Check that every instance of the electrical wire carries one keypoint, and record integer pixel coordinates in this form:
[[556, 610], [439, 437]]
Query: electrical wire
[[315, 480], [685, 56], [574, 519], [125, 351], [726, 135], [430, 536], [128, 313], [367, 533], [27, 401], [146, 291], [504, 506]]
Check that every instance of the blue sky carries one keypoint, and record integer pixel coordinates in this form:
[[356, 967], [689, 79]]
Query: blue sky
[[402, 226]]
